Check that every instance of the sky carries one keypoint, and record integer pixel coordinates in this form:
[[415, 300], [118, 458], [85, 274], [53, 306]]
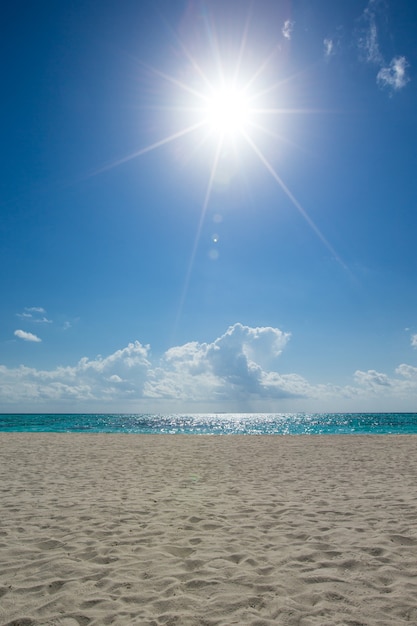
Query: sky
[[208, 206]]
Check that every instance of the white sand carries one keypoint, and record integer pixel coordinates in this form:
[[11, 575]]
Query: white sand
[[205, 531]]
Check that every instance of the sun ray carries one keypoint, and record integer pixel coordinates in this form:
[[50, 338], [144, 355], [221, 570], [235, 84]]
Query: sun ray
[[175, 81], [274, 135], [294, 200], [276, 111], [242, 45], [230, 101], [259, 71], [153, 146], [198, 233]]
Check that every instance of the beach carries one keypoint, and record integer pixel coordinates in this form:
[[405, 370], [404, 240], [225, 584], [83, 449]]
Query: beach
[[152, 530]]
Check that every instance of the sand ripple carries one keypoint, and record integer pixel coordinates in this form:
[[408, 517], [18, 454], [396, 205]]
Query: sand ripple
[[207, 531]]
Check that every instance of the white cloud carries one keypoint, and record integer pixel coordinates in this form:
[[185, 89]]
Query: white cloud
[[328, 47], [333, 44], [114, 378], [403, 388], [26, 336], [407, 371], [24, 316], [370, 45], [367, 41], [238, 371], [287, 29], [372, 379], [414, 341], [231, 367], [235, 368], [395, 75], [34, 314], [118, 376]]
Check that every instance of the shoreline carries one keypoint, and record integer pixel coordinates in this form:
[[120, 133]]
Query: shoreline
[[207, 530]]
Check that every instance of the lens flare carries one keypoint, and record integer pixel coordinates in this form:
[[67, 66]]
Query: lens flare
[[231, 100]]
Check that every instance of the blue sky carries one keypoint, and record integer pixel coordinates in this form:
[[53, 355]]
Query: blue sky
[[208, 206]]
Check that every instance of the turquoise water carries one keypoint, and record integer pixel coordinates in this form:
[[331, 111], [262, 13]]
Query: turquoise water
[[215, 423]]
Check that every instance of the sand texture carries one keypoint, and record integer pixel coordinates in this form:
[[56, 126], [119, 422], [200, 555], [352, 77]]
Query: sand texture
[[207, 531]]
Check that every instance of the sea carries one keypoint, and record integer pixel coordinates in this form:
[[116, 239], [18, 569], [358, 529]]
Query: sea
[[214, 423]]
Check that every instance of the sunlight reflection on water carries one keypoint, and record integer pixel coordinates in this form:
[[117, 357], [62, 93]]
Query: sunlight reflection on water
[[215, 423]]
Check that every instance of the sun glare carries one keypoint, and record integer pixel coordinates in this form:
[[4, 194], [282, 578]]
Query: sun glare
[[229, 100], [228, 111]]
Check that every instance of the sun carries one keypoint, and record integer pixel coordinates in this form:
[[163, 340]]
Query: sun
[[227, 99], [224, 101], [228, 111]]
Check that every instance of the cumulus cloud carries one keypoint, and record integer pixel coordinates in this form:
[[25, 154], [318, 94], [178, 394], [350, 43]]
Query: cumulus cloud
[[238, 366], [407, 371], [232, 367], [395, 75], [287, 29], [118, 376], [400, 388], [240, 370], [372, 379], [26, 336]]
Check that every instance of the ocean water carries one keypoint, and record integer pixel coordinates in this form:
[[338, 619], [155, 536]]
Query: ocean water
[[215, 423]]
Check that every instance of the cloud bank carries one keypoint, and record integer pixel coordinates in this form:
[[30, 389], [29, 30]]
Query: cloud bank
[[238, 371]]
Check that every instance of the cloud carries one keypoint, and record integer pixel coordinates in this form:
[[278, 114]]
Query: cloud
[[34, 314], [394, 388], [237, 367], [287, 29], [369, 45], [238, 371], [26, 336], [372, 379], [333, 44], [414, 341], [328, 47], [121, 375], [394, 75], [24, 316], [407, 371], [367, 34], [231, 367]]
